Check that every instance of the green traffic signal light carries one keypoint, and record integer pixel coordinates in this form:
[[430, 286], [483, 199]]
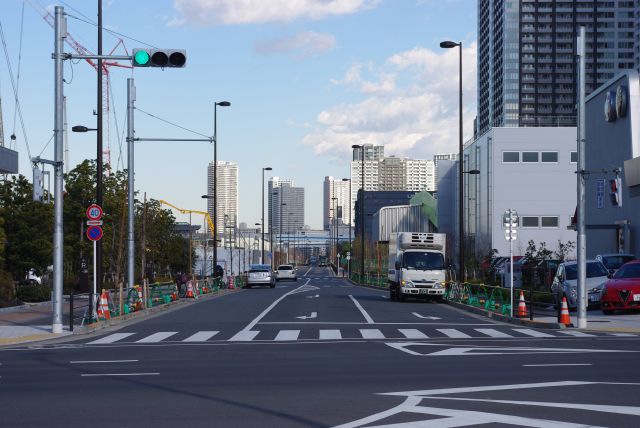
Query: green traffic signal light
[[141, 58]]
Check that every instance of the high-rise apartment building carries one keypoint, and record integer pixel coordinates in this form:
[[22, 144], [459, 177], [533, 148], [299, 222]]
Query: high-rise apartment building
[[227, 193], [372, 156], [526, 57], [419, 175], [286, 206], [636, 43], [338, 209]]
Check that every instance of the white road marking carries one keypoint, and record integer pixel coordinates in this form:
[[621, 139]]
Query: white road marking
[[313, 297], [412, 333], [330, 334], [201, 336], [492, 333], [486, 350], [118, 374], [557, 365], [157, 337], [273, 305], [305, 274], [111, 338], [244, 335], [287, 335], [362, 311], [306, 317], [623, 334], [423, 317], [371, 333], [453, 333], [532, 333], [576, 333], [103, 361]]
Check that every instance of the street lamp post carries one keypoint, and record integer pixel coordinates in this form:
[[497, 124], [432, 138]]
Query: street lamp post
[[350, 243], [334, 251], [361, 147], [282, 204], [449, 45], [268, 168], [215, 177]]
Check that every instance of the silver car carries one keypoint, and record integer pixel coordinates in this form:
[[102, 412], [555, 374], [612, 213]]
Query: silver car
[[286, 272], [566, 279], [260, 275]]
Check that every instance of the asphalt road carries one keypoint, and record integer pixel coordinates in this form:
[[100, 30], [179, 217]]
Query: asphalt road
[[321, 352]]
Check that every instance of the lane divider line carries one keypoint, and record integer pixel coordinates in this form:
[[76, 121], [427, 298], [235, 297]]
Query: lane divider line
[[362, 311], [118, 374], [103, 362]]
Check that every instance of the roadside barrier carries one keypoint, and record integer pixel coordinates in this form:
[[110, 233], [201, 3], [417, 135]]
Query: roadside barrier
[[190, 290]]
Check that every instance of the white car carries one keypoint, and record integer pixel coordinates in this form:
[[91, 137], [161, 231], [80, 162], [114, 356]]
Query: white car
[[566, 279], [260, 275], [286, 272]]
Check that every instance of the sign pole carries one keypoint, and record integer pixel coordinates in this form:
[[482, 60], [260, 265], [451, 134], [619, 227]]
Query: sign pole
[[95, 280], [511, 255]]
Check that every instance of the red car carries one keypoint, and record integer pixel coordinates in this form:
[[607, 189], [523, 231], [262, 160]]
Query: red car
[[623, 290]]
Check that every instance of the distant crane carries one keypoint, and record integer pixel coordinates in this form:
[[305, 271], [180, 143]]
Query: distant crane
[[204, 213], [81, 50]]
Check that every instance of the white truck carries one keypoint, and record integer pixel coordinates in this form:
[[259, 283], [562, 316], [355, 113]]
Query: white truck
[[416, 265]]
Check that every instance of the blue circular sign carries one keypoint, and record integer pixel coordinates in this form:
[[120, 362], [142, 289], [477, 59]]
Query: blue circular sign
[[94, 233]]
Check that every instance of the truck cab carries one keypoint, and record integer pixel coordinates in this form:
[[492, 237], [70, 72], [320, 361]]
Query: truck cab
[[416, 265]]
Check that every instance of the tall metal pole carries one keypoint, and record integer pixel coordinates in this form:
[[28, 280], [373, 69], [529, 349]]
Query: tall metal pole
[[362, 216], [131, 98], [99, 133], [215, 189], [58, 244], [511, 227], [273, 210], [582, 237], [280, 228], [262, 218], [461, 175]]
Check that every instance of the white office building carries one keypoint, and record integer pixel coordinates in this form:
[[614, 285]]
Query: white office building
[[227, 193], [286, 206], [420, 175], [338, 209]]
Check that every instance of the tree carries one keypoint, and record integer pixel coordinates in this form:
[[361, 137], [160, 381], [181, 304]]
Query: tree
[[563, 250]]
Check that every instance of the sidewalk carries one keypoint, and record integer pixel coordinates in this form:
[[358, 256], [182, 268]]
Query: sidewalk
[[28, 323]]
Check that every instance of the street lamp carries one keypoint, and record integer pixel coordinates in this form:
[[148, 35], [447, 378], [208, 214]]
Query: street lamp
[[268, 168], [282, 204], [334, 251], [350, 243], [450, 45], [254, 237], [215, 176], [361, 147]]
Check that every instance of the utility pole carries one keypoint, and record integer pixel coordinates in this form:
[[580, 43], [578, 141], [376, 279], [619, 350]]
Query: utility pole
[[582, 237], [99, 161], [143, 240], [131, 98]]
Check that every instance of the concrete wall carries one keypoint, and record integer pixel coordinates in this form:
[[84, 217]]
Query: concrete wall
[[609, 145]]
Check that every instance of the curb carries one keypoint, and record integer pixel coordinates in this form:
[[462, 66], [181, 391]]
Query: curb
[[509, 320]]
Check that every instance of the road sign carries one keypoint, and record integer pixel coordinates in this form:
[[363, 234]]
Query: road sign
[[94, 233], [94, 212], [94, 222]]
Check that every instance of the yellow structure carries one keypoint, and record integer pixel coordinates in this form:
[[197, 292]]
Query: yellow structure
[[204, 213]]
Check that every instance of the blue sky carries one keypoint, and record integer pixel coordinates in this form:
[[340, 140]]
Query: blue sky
[[306, 79]]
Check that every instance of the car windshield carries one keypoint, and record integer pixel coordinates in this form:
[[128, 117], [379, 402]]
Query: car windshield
[[614, 262], [594, 270], [285, 267], [628, 271], [422, 261], [259, 269]]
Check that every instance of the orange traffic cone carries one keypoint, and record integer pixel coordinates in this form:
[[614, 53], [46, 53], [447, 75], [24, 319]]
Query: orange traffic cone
[[190, 290], [564, 313], [103, 306], [522, 306]]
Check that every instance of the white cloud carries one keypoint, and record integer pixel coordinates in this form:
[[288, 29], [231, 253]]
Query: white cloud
[[299, 45], [214, 12], [410, 105]]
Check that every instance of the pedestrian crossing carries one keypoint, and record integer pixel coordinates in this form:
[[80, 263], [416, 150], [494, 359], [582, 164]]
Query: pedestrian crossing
[[307, 334]]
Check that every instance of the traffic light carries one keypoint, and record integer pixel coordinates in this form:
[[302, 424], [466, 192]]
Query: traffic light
[[616, 191], [173, 58]]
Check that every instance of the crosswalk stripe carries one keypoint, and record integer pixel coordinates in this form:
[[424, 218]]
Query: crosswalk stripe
[[371, 333], [201, 336], [157, 337], [453, 333], [492, 333], [532, 333], [330, 335], [287, 335], [623, 334], [244, 336], [412, 333], [576, 333], [110, 339]]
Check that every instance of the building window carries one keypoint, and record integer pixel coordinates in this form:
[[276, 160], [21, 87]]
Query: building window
[[574, 157], [551, 157], [548, 221], [510, 157], [530, 221], [529, 157]]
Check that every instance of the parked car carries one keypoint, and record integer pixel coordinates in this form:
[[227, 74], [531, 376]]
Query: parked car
[[260, 275], [613, 261], [286, 272], [566, 278], [623, 290]]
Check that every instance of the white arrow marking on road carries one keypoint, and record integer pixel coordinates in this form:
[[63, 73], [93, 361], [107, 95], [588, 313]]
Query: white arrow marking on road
[[385, 297], [313, 297], [425, 318], [307, 317]]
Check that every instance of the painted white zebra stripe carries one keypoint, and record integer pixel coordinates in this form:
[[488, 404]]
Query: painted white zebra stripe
[[412, 333], [287, 335], [576, 333], [110, 339], [532, 333], [371, 333], [244, 335], [157, 337], [492, 332], [453, 333], [330, 335], [201, 336]]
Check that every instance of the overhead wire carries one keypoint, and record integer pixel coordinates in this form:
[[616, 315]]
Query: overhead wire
[[172, 124], [119, 160], [15, 92], [15, 110], [110, 31]]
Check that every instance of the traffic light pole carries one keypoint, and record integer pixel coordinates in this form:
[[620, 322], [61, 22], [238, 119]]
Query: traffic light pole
[[131, 98], [581, 176]]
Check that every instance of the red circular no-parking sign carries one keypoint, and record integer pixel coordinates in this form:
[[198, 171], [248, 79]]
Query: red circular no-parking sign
[[94, 233], [94, 212]]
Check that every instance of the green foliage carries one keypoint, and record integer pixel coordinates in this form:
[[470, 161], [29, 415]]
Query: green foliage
[[563, 250], [539, 253], [33, 293], [7, 291]]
